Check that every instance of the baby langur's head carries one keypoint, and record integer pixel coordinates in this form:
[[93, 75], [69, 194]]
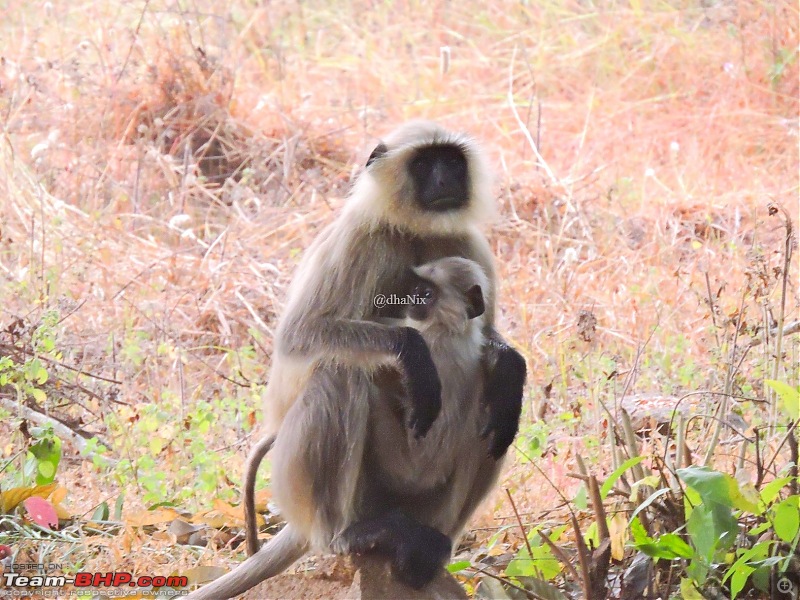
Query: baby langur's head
[[447, 295]]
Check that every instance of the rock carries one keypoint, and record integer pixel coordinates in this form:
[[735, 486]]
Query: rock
[[352, 578], [374, 581]]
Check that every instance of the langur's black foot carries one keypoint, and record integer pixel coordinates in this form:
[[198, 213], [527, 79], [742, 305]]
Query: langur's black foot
[[417, 552], [420, 556]]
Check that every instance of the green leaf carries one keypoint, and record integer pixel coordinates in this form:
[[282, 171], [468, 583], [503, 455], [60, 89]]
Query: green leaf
[[540, 561], [702, 532], [714, 486], [705, 535], [786, 519], [759, 529], [770, 491], [47, 453], [118, 507], [592, 536], [46, 473], [748, 557], [790, 397], [38, 395], [100, 513], [639, 533], [458, 566], [581, 500], [739, 579], [669, 546], [542, 589], [155, 445], [720, 493], [689, 591], [612, 479]]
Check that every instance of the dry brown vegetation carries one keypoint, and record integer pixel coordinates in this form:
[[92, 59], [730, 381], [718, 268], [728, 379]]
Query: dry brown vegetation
[[164, 164]]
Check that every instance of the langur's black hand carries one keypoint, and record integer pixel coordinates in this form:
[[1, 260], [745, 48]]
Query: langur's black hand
[[503, 396], [424, 387]]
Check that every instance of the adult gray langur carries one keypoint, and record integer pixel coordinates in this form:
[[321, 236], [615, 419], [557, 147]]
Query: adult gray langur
[[421, 198]]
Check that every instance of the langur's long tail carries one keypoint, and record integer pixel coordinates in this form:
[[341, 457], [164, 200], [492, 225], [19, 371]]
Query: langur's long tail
[[249, 500], [276, 556]]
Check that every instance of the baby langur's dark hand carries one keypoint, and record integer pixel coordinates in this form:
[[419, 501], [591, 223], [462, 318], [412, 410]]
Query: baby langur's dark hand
[[424, 387], [503, 397]]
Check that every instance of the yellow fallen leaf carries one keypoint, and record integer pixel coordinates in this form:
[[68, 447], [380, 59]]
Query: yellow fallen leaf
[[618, 530], [43, 491], [211, 518], [10, 499], [58, 495], [56, 498], [234, 512], [143, 518]]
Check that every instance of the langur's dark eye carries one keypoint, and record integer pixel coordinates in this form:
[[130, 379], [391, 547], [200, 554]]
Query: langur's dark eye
[[423, 291]]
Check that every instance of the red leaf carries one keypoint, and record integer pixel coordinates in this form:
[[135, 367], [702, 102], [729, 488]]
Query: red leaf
[[41, 512]]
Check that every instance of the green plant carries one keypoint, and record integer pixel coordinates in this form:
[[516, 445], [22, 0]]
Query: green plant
[[28, 376], [717, 510], [45, 455], [535, 558]]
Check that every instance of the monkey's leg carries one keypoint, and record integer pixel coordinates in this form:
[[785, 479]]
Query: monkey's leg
[[317, 457], [505, 381], [417, 552], [449, 509], [483, 480]]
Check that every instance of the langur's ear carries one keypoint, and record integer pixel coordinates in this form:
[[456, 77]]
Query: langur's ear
[[475, 304], [379, 151]]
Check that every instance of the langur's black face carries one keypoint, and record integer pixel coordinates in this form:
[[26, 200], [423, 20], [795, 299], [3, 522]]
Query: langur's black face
[[425, 295], [441, 178]]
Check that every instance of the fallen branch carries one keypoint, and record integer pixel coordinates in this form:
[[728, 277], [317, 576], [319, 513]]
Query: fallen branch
[[62, 430], [788, 329]]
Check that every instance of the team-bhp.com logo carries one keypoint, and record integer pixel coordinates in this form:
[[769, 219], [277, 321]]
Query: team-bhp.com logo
[[83, 579]]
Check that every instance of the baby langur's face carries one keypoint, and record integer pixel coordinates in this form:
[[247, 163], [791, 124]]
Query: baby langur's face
[[446, 294], [425, 295]]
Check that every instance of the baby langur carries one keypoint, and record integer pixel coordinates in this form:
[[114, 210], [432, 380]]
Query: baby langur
[[376, 486], [436, 481]]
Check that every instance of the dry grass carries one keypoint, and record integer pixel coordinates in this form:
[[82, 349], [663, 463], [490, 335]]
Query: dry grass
[[164, 164]]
